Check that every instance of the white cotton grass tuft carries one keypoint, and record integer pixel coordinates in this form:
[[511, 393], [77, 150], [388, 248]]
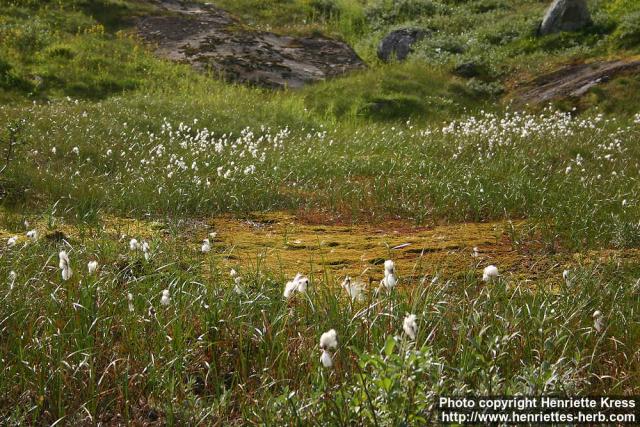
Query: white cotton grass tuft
[[213, 235], [598, 321], [13, 276], [146, 249], [490, 273], [390, 280], [410, 326], [32, 234], [326, 359], [130, 301], [566, 275], [237, 281], [329, 340], [65, 265], [206, 246], [133, 244], [475, 252], [11, 241], [289, 288], [303, 283], [298, 284], [389, 266], [354, 289], [165, 299], [92, 266]]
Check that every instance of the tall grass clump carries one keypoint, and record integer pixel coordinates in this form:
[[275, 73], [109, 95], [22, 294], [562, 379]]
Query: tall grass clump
[[169, 338]]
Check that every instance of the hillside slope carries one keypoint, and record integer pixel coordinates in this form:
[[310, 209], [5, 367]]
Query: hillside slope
[[89, 50]]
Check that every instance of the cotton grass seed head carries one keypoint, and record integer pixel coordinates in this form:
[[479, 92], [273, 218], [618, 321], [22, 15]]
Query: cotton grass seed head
[[490, 273], [410, 326], [166, 298], [389, 281], [303, 283], [346, 283], [598, 321], [354, 289], [289, 288], [389, 266], [298, 284], [146, 250], [326, 359], [65, 265], [92, 266], [329, 340], [206, 246], [13, 276]]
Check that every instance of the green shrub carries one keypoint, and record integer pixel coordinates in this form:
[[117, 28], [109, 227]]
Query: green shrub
[[60, 51], [392, 107], [10, 80], [502, 33], [484, 6], [401, 10], [620, 8], [627, 35], [482, 89], [325, 8]]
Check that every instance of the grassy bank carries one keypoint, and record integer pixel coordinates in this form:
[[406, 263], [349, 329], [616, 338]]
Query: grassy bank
[[101, 347], [88, 50]]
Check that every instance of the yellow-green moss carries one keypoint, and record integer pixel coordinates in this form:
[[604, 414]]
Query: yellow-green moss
[[285, 244]]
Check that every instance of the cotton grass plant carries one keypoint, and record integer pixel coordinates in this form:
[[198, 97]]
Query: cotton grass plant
[[486, 166], [127, 356]]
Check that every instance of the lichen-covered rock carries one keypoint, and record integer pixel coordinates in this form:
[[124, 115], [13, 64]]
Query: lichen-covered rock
[[565, 15], [467, 70], [210, 39], [573, 81], [397, 44]]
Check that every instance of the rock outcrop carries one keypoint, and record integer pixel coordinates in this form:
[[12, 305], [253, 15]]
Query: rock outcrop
[[565, 15], [397, 44], [211, 39], [573, 81]]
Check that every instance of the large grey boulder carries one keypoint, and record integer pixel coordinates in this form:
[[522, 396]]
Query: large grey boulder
[[397, 44], [210, 39], [565, 15]]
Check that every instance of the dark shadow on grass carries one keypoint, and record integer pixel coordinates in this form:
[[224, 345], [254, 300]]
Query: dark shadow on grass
[[115, 15]]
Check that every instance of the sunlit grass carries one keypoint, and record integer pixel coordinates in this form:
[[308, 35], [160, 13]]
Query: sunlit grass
[[159, 329], [80, 350], [571, 177]]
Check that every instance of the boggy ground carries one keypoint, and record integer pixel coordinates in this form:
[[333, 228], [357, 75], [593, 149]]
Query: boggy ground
[[286, 243], [167, 339]]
